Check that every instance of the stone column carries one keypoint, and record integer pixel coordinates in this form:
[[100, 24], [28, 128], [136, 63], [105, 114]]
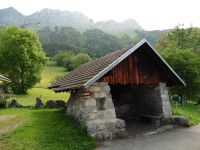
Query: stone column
[[164, 97]]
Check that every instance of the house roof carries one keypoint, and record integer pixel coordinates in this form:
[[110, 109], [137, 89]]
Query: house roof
[[2, 78], [89, 73]]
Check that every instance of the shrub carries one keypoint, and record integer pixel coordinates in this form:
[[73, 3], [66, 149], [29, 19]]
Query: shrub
[[3, 100], [79, 60]]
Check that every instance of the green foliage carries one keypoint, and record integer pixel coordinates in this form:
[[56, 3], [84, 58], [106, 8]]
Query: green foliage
[[93, 42], [180, 38], [46, 130], [48, 74], [151, 36], [79, 59], [3, 100], [21, 57], [56, 78], [58, 39], [187, 64], [180, 47], [62, 58], [99, 43], [126, 40], [70, 61]]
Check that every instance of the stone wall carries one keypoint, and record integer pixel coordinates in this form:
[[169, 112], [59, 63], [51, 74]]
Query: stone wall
[[95, 108]]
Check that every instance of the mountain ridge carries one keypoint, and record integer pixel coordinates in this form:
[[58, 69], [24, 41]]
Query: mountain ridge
[[56, 17]]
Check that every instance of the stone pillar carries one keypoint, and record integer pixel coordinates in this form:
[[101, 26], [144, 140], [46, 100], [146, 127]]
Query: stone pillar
[[94, 107], [166, 106]]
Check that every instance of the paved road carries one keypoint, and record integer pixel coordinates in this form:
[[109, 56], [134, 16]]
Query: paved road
[[176, 139]]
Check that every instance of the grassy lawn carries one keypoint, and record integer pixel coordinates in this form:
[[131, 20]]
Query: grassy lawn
[[48, 74], [30, 98], [191, 111], [44, 129]]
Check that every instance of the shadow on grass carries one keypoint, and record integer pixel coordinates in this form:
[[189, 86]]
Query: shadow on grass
[[50, 129]]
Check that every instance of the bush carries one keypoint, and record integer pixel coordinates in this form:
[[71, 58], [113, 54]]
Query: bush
[[62, 58], [79, 60], [3, 100]]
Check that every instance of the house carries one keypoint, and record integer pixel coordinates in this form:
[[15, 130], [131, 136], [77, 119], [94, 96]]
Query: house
[[125, 84]]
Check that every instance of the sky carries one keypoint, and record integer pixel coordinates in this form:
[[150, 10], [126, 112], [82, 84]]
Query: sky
[[150, 14]]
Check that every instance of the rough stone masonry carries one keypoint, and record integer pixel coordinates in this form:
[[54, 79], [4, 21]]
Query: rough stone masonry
[[94, 106]]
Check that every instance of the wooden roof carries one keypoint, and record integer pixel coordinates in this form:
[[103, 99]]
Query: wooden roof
[[89, 73]]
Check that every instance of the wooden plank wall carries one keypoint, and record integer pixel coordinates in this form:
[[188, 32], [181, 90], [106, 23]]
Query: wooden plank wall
[[136, 69]]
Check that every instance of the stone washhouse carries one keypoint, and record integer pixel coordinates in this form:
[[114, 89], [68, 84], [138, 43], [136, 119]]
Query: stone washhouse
[[120, 86]]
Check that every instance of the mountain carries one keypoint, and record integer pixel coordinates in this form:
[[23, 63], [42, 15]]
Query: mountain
[[128, 29], [111, 26], [10, 16], [52, 18]]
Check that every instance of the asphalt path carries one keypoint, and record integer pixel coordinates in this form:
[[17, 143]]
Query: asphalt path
[[175, 139]]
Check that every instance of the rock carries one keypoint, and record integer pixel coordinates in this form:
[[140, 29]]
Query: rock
[[55, 104], [27, 107], [15, 104], [181, 120], [60, 103], [39, 103]]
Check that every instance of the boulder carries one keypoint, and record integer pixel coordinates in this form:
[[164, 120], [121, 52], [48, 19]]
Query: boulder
[[15, 104], [60, 103], [55, 104], [181, 120], [39, 103]]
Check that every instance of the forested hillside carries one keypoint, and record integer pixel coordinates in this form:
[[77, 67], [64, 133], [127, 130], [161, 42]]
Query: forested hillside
[[94, 42]]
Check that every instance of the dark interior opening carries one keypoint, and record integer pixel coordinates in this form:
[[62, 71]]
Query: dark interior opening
[[100, 104], [136, 104]]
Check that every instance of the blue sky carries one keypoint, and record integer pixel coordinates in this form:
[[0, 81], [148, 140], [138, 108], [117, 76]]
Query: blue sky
[[150, 14]]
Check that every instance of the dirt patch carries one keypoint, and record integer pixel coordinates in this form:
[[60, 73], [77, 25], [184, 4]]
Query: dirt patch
[[11, 125], [7, 128], [7, 117]]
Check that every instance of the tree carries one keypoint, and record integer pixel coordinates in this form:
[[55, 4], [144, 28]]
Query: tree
[[79, 59], [180, 47], [99, 43], [21, 57], [187, 64], [181, 38]]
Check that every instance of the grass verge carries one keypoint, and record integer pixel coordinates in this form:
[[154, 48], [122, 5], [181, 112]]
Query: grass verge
[[191, 111], [46, 129]]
